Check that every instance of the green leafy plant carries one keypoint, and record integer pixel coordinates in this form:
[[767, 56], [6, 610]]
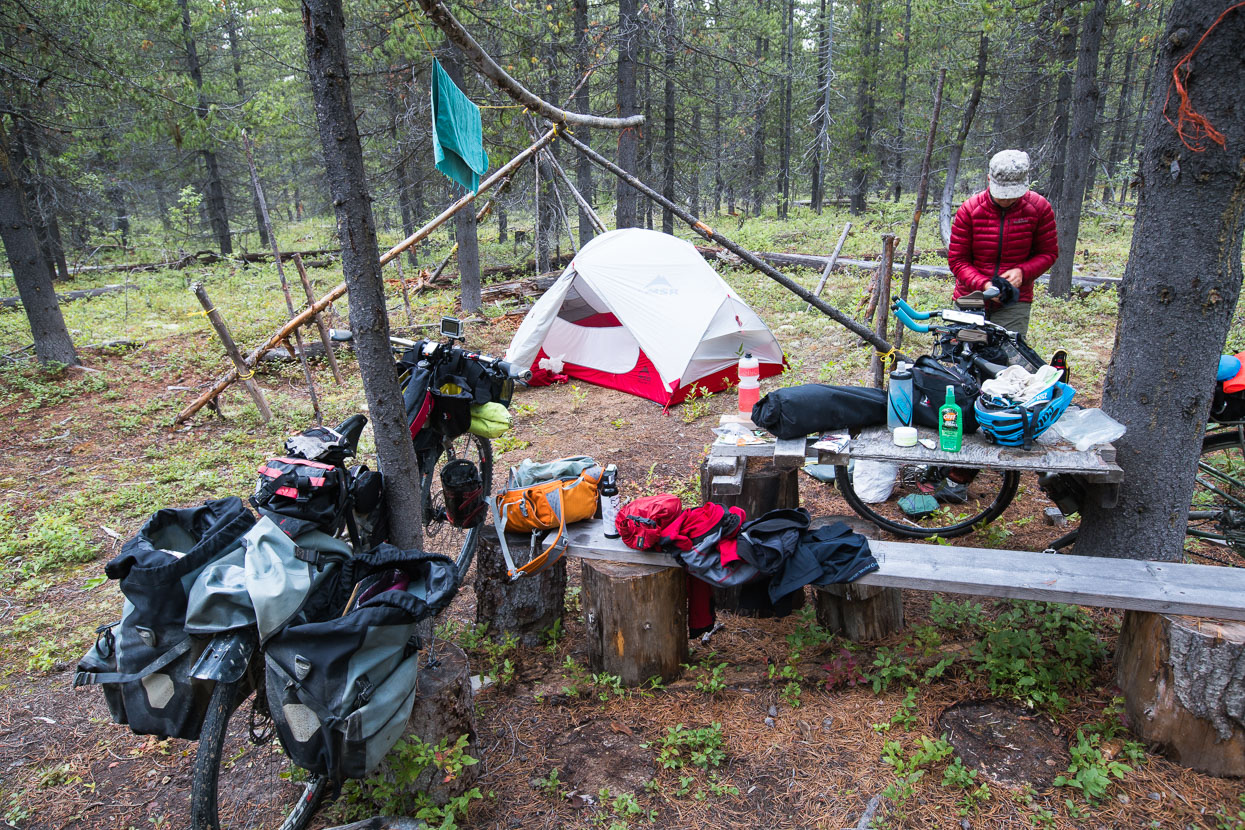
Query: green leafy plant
[[508, 443], [791, 694], [551, 784], [608, 686], [696, 405], [961, 777], [699, 747], [1092, 770], [843, 671], [710, 679], [391, 790], [910, 769], [579, 397]]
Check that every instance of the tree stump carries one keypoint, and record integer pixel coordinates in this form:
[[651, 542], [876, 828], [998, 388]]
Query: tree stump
[[765, 488], [636, 620], [861, 613], [1184, 688], [444, 711], [529, 607]]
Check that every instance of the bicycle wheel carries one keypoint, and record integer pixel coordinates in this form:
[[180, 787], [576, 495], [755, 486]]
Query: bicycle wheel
[[984, 499], [242, 784], [439, 534], [1217, 513]]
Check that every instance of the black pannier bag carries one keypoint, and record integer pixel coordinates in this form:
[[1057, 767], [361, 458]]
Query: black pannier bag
[[143, 662], [341, 691], [930, 379], [796, 411], [301, 495]]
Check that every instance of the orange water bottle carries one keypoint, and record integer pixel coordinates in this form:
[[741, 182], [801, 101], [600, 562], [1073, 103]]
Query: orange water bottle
[[749, 383]]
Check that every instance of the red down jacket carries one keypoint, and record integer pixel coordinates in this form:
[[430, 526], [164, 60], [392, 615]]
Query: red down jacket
[[987, 240]]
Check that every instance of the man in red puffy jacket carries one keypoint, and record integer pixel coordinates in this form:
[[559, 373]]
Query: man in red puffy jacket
[[1004, 236]]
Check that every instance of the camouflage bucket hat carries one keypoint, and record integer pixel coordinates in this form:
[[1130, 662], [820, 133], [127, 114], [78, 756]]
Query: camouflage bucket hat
[[1009, 174]]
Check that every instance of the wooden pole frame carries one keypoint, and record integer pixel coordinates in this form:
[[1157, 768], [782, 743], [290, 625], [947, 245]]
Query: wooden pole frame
[[232, 375]]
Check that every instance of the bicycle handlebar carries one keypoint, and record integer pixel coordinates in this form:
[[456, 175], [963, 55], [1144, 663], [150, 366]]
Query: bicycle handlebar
[[902, 316], [431, 347], [900, 303]]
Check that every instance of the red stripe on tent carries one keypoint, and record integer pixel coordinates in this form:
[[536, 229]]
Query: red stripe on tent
[[602, 320]]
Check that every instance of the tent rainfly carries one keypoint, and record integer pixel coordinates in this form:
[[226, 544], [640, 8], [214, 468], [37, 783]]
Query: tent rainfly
[[642, 311]]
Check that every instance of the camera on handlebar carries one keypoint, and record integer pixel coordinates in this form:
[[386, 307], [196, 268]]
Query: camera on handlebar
[[452, 328]]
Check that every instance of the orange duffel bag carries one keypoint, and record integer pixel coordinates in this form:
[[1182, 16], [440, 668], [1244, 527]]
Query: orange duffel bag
[[544, 498]]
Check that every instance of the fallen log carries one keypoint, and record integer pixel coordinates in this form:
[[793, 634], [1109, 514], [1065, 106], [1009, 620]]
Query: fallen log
[[70, 296]]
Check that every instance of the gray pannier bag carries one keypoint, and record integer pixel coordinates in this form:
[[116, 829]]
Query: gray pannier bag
[[341, 691], [143, 661]]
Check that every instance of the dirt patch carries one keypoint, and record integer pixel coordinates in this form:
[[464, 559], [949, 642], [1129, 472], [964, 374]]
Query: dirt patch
[[1008, 743], [602, 753]]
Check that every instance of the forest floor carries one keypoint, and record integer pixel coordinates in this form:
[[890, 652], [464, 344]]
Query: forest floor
[[795, 728]]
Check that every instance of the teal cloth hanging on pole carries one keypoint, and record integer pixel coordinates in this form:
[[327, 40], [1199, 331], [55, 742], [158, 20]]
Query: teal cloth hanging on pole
[[457, 134]]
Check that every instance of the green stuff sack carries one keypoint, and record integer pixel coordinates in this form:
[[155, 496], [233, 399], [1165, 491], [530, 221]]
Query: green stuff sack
[[918, 505], [489, 420]]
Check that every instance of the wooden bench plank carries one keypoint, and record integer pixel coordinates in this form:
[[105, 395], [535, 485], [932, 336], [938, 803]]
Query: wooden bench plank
[[1161, 587], [790, 452]]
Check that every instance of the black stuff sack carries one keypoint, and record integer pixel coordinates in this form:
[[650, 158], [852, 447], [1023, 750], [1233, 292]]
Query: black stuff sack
[[341, 691], [143, 661], [930, 379], [796, 411]]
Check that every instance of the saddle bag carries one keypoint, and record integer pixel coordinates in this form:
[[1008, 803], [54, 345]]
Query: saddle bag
[[143, 662], [341, 691], [540, 498], [641, 521]]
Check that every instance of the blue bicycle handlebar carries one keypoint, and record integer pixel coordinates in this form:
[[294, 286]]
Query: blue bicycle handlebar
[[902, 316], [913, 314]]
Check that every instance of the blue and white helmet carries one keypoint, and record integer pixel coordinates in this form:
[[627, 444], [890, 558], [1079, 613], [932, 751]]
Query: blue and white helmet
[[1014, 424]]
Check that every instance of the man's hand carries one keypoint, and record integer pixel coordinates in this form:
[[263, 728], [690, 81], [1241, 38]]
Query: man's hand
[[1013, 275]]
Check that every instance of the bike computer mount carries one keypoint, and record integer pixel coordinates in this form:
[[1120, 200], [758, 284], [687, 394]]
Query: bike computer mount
[[452, 328]]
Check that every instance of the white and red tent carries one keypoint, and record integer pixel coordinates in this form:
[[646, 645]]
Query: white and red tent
[[641, 311]]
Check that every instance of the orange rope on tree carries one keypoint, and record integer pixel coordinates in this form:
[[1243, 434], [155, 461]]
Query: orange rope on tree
[[1198, 127]]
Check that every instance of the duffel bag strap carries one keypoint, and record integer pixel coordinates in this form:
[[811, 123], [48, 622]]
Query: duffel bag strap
[[537, 562], [91, 678]]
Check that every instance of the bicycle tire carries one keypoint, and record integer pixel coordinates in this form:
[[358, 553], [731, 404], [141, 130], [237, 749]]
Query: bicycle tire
[[260, 774], [989, 494], [439, 534]]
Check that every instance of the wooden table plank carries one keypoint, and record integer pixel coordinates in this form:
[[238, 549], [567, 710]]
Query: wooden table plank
[[875, 444]]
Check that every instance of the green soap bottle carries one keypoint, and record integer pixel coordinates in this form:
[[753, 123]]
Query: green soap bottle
[[950, 424]]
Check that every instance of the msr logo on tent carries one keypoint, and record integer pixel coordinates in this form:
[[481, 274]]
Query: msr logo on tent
[[659, 285]]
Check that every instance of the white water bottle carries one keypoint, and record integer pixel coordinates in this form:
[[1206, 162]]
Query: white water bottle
[[749, 383]]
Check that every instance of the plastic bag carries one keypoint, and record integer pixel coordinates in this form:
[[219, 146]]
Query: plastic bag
[[1087, 427], [874, 481]]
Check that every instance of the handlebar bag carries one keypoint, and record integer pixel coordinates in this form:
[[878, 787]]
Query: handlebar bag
[[930, 379], [341, 691], [796, 411], [143, 661]]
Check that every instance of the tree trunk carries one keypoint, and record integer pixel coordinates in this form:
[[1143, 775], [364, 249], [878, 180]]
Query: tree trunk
[[444, 710], [718, 148], [1095, 154], [324, 31], [231, 34], [218, 214], [404, 178], [1179, 291], [668, 147], [865, 91], [758, 136], [646, 152], [1059, 132], [627, 207], [945, 210], [30, 271], [465, 220], [694, 184], [583, 167], [1080, 139], [821, 119], [1121, 116], [903, 101], [528, 608], [784, 161]]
